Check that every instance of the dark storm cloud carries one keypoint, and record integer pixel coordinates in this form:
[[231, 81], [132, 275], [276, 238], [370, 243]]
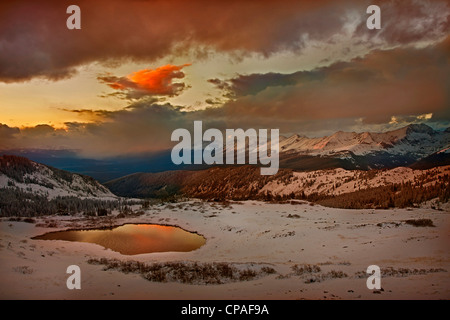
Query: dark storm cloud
[[363, 94], [402, 81], [34, 40], [7, 135], [88, 112], [409, 21], [252, 84]]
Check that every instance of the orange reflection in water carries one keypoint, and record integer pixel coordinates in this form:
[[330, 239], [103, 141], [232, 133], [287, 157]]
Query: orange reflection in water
[[130, 239]]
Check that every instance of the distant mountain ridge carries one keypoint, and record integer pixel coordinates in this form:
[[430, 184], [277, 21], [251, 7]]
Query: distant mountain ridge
[[366, 150], [398, 141], [29, 188], [416, 145]]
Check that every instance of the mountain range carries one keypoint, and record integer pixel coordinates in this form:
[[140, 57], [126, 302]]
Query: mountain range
[[366, 150], [30, 188], [416, 145], [311, 167], [327, 166]]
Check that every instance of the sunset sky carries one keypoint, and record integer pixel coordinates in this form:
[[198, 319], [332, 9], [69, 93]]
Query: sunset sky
[[138, 69]]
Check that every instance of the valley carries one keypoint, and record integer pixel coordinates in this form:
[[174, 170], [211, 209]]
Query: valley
[[298, 234]]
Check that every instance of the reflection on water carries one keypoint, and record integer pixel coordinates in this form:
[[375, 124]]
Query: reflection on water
[[132, 239]]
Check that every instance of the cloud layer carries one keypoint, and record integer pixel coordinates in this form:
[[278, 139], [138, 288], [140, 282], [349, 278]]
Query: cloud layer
[[402, 77], [400, 81], [383, 90], [34, 40]]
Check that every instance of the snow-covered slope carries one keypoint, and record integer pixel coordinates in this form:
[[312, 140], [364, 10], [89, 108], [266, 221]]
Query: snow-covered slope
[[246, 182], [39, 179], [340, 181]]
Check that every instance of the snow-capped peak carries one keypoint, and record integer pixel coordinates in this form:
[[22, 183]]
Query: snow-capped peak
[[418, 140]]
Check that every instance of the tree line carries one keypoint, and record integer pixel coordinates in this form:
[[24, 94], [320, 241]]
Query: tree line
[[16, 202]]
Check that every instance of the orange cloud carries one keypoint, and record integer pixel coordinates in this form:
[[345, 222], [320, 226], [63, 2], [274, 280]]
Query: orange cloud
[[149, 82], [117, 86], [158, 81]]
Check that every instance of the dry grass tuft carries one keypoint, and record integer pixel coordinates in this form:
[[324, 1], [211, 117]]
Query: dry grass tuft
[[186, 272], [420, 222]]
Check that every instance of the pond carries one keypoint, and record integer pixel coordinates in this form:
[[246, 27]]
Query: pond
[[131, 239]]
